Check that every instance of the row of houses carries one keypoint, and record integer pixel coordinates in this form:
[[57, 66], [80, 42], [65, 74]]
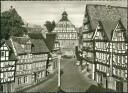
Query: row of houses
[[34, 58], [35, 54], [103, 46]]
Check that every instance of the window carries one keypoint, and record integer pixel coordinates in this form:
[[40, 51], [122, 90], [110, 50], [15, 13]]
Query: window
[[27, 66], [119, 34], [25, 79], [120, 59], [114, 71], [125, 73], [116, 59], [120, 72], [102, 56], [124, 46], [2, 53], [19, 80], [17, 67], [20, 67], [120, 46], [20, 61]]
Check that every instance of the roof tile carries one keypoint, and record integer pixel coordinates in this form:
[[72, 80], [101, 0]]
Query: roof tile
[[108, 15]]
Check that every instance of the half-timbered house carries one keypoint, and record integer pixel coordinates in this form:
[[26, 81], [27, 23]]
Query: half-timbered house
[[40, 53], [66, 34], [7, 66], [22, 49], [88, 65], [101, 54], [109, 27], [119, 57]]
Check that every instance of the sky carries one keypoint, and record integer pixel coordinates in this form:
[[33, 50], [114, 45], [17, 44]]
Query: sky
[[38, 12]]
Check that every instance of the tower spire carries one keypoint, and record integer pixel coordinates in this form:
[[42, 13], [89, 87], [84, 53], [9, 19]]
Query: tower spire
[[64, 16]]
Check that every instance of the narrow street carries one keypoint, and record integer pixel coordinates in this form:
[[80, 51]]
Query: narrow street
[[72, 80]]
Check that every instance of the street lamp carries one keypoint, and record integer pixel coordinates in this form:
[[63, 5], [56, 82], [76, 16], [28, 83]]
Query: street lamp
[[59, 74], [59, 81]]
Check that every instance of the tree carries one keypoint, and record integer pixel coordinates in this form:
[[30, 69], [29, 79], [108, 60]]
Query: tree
[[50, 25], [11, 24], [53, 24]]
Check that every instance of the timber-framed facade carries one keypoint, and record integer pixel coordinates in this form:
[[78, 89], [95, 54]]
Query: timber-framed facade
[[104, 41]]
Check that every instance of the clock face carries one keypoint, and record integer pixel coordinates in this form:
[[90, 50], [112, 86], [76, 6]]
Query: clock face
[[7, 71]]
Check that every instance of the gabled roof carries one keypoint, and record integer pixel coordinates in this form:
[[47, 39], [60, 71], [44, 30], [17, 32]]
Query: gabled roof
[[108, 15], [12, 56], [11, 52], [119, 27], [35, 35], [2, 42], [38, 43], [20, 40], [63, 25], [100, 29]]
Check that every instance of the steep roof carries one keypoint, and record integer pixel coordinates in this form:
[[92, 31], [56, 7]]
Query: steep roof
[[64, 23], [11, 52], [64, 16], [108, 15], [35, 35], [12, 56], [64, 13], [120, 27], [18, 42], [38, 43]]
